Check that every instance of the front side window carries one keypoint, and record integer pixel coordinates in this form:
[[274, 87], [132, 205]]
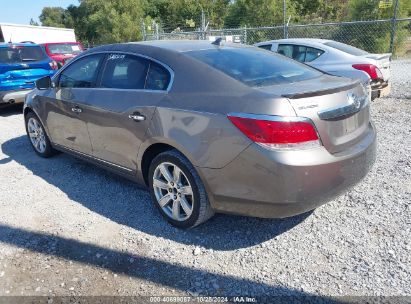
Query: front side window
[[125, 72], [286, 50], [255, 67], [81, 73]]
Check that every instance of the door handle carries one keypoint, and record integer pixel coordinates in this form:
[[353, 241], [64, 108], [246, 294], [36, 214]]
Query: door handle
[[137, 117], [76, 109]]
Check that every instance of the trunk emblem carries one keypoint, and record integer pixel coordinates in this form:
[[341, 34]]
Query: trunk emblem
[[354, 100], [355, 104]]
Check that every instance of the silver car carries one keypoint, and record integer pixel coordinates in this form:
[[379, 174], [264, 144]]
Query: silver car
[[208, 127], [338, 59]]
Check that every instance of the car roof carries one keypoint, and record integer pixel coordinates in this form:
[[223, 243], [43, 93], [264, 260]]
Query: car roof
[[187, 45], [70, 42], [298, 40], [7, 45]]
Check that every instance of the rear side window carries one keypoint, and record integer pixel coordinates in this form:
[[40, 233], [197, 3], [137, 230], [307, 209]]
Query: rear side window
[[125, 72], [19, 54], [346, 48], [255, 67], [81, 73], [64, 48], [158, 77], [299, 52]]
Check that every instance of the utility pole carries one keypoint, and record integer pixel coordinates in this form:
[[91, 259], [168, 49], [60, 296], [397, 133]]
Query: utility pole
[[393, 26]]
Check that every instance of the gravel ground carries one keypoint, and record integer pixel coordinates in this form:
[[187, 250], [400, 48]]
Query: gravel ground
[[68, 228]]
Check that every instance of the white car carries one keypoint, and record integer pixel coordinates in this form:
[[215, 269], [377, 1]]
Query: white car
[[337, 58]]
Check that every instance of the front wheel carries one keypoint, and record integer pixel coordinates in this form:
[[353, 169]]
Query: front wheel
[[177, 190], [38, 137]]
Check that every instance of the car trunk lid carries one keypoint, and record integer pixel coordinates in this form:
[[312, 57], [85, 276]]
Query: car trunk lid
[[382, 61], [338, 107]]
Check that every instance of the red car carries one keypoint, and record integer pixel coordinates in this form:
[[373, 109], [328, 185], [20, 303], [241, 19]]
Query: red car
[[62, 51]]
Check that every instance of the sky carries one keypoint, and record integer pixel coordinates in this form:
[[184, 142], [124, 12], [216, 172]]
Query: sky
[[21, 11]]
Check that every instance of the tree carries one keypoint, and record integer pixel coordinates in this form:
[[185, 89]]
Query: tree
[[258, 13], [374, 37], [56, 17], [100, 22], [33, 22]]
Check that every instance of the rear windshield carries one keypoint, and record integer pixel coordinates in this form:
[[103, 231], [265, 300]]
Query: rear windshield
[[255, 67], [67, 48], [20, 54], [346, 48]]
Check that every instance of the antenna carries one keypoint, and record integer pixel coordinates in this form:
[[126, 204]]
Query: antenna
[[217, 41]]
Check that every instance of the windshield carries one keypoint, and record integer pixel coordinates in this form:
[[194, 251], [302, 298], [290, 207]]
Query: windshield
[[67, 48], [18, 54], [255, 67], [346, 48]]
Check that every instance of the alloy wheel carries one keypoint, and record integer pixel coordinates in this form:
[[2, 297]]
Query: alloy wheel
[[36, 134], [173, 191]]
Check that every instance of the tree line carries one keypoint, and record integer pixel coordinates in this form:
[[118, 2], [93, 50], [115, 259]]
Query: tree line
[[98, 22]]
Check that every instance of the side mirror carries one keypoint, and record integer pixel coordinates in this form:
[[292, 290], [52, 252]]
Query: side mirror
[[44, 83]]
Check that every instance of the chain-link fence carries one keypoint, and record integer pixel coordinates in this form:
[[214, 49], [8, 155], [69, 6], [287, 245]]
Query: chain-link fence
[[376, 36]]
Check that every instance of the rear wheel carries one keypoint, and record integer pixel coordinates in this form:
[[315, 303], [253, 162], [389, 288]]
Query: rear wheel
[[38, 137], [177, 190]]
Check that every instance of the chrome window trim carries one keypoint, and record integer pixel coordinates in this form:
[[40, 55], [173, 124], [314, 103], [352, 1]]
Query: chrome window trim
[[170, 70], [272, 117]]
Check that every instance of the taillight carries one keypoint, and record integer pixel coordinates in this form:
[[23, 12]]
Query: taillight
[[54, 65], [370, 69], [277, 132]]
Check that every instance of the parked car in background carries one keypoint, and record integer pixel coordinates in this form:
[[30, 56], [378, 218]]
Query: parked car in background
[[338, 59], [61, 52], [208, 127], [20, 66]]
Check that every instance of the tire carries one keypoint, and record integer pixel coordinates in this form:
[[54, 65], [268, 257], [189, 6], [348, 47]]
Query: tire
[[44, 148], [178, 190]]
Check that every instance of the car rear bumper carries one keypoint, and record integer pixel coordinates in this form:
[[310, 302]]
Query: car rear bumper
[[8, 97], [269, 184], [380, 88]]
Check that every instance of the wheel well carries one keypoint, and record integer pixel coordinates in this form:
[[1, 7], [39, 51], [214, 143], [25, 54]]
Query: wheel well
[[149, 155], [27, 110]]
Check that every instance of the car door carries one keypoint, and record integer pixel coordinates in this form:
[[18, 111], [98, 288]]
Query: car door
[[120, 110], [65, 104]]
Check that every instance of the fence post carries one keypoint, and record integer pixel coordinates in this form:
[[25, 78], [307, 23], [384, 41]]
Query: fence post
[[156, 29], [143, 30], [393, 27], [284, 18], [203, 25], [245, 34]]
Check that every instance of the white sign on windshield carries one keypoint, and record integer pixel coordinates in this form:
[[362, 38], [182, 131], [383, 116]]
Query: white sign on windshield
[[75, 48]]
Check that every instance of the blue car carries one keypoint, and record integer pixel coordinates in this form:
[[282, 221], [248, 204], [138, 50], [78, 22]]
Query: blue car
[[20, 66]]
